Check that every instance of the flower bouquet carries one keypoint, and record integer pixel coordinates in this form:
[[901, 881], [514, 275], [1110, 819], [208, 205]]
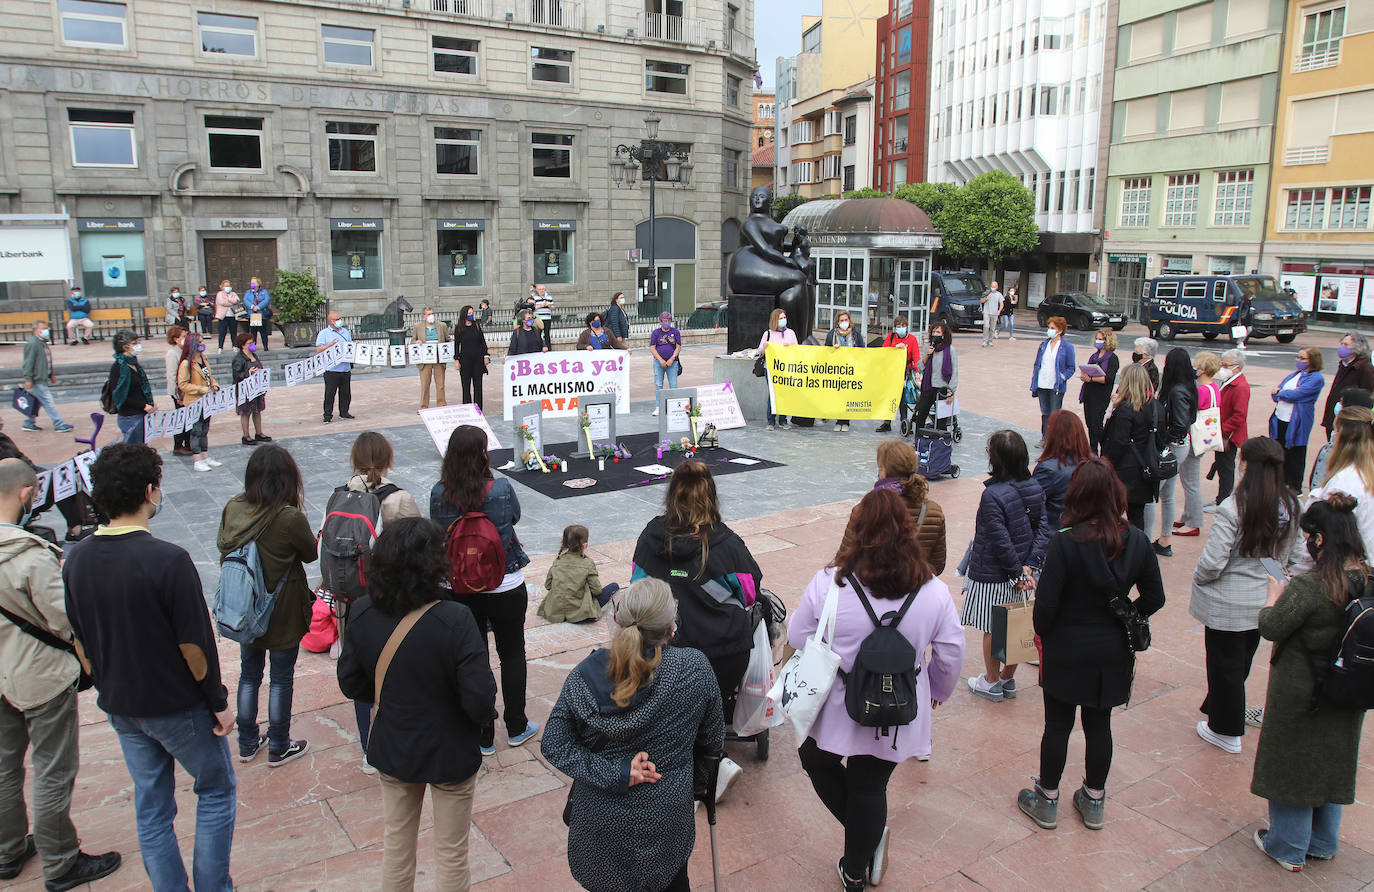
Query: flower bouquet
[[529, 439]]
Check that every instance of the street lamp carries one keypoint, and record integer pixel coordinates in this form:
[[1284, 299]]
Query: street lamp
[[662, 161]]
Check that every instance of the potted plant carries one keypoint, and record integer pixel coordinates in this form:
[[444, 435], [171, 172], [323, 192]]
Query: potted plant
[[296, 303]]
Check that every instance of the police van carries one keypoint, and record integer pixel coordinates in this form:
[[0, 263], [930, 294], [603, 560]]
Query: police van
[[955, 298], [1174, 305]]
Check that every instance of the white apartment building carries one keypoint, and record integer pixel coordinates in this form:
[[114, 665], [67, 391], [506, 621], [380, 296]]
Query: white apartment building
[[1016, 85]]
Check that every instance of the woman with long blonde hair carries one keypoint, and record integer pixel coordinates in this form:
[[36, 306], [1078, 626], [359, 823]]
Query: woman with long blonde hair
[[1350, 469], [624, 729], [1127, 436]]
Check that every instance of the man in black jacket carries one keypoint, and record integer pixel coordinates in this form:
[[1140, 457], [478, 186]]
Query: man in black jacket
[[142, 630]]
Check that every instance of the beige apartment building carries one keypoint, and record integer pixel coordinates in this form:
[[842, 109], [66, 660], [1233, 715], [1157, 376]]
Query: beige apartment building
[[444, 150]]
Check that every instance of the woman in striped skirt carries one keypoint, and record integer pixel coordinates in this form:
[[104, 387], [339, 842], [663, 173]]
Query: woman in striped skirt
[[1009, 540]]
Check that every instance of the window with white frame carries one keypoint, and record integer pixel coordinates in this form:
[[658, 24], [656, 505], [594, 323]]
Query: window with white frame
[[1321, 39], [550, 65], [234, 143], [228, 35], [1306, 209], [455, 55], [352, 146], [666, 77], [1091, 187], [1075, 185], [768, 111], [902, 92], [1135, 201], [1180, 200], [732, 89], [1059, 192], [802, 131], [456, 150], [830, 167], [1349, 208], [834, 120], [94, 24], [1049, 101], [102, 138], [730, 161], [801, 171], [347, 46], [1235, 193], [552, 154]]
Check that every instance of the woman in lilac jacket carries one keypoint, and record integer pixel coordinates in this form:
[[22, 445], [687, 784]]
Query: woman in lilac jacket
[[888, 566]]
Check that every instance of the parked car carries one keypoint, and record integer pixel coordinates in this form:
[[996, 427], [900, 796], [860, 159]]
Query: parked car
[[712, 314], [1082, 310]]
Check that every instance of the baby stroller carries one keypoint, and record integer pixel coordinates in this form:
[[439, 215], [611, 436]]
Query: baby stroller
[[935, 452]]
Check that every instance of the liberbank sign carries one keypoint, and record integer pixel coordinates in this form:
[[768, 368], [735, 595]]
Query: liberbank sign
[[35, 248]]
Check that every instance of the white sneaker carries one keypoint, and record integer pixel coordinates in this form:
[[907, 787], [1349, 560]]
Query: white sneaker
[[1254, 716], [201, 466], [367, 767], [655, 412], [983, 688], [214, 464], [729, 772], [1220, 741]]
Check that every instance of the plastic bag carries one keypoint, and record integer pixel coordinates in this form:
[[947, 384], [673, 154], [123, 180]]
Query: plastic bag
[[754, 712]]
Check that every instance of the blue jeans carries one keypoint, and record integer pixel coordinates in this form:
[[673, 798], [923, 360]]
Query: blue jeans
[[660, 372], [1050, 402], [43, 393], [1011, 325], [1295, 832], [131, 426], [281, 684], [150, 746]]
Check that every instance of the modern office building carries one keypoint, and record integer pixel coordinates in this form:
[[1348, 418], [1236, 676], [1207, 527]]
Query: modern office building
[[1318, 238], [444, 150], [1016, 86], [1192, 125], [901, 93], [824, 102]]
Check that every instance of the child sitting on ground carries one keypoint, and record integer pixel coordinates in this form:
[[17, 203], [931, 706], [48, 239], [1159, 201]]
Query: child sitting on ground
[[574, 593]]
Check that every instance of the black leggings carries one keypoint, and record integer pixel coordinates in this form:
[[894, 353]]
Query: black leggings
[[729, 672], [1294, 459], [1135, 515], [504, 614], [855, 792], [1054, 745]]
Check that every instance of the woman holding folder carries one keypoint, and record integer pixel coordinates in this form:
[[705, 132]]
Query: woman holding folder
[[1098, 375]]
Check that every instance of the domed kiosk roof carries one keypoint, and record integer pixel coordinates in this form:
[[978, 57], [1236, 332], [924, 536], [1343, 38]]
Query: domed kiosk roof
[[865, 222]]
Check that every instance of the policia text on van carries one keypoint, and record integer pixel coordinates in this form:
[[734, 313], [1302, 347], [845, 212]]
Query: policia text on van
[[1212, 305]]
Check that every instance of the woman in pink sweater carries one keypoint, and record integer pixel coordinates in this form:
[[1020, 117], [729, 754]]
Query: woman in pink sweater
[[226, 323], [777, 333]]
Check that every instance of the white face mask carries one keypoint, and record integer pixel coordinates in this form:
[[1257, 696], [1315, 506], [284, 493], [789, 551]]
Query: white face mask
[[1051, 332], [137, 349], [44, 334], [1223, 374], [782, 322], [430, 318], [844, 325]]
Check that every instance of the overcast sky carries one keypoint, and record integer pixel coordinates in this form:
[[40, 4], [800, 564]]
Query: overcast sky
[[777, 32]]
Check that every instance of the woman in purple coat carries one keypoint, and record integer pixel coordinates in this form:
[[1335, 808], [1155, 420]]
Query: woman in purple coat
[[849, 765]]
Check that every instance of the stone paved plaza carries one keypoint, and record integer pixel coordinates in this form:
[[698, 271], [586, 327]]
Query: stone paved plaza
[[1179, 812]]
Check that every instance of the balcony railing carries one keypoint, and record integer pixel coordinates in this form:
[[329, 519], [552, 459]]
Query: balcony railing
[[479, 9], [549, 13], [1328, 58], [739, 43]]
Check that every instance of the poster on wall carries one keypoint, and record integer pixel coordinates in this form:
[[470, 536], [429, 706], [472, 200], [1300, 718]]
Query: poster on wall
[[1339, 294], [1035, 290], [1304, 289], [1367, 305]]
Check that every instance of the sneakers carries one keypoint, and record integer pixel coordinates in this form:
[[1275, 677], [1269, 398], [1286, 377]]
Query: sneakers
[[212, 463], [11, 869], [328, 420], [1259, 844], [1209, 509], [1040, 808], [729, 773], [63, 428], [487, 749], [878, 866], [1254, 716], [1220, 741], [368, 767], [30, 426], [297, 749], [85, 869], [771, 427], [784, 426], [846, 884], [1163, 550], [982, 688], [839, 426], [531, 729], [201, 466], [845, 426], [1088, 808], [1009, 688], [248, 754], [346, 415]]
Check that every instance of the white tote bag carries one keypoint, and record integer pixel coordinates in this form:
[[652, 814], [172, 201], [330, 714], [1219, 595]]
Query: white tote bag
[[1206, 430], [806, 679]]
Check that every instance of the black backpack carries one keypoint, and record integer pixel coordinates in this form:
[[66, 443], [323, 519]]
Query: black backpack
[[107, 391], [351, 524], [880, 688], [1349, 679], [1158, 462]]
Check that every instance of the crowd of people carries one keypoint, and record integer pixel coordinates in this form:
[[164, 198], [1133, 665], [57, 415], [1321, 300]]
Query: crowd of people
[[1073, 530]]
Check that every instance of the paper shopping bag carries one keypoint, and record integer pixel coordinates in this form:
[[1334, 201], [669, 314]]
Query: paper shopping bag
[[1013, 632]]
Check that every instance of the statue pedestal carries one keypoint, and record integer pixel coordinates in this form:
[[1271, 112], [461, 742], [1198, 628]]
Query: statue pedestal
[[748, 320], [751, 392]]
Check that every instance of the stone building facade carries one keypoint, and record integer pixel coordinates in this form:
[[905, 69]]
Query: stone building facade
[[443, 150]]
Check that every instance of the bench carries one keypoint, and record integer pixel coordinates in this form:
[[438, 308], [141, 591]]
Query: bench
[[15, 328], [107, 320]]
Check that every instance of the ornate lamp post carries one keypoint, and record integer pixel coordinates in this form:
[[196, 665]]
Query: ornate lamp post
[[661, 161]]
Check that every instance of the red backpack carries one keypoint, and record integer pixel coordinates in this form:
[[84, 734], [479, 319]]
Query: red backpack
[[476, 557]]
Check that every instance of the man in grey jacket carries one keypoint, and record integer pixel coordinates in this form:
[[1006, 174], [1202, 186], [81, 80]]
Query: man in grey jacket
[[37, 371], [37, 699]]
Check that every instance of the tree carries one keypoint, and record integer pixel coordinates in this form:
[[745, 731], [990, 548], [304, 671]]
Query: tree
[[783, 204], [992, 217], [933, 198]]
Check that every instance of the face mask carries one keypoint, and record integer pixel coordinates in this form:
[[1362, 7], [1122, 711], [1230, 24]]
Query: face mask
[[26, 515], [665, 325], [620, 301], [202, 292], [252, 348], [137, 349], [900, 331], [430, 318], [157, 509], [782, 323], [1345, 352], [596, 323], [200, 348], [844, 325], [1300, 365], [334, 324], [176, 295], [471, 317], [1223, 374], [230, 289], [1137, 357], [44, 334], [1051, 332], [76, 295], [1099, 344], [529, 323], [253, 287]]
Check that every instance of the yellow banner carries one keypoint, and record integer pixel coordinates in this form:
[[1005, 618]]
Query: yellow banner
[[836, 382]]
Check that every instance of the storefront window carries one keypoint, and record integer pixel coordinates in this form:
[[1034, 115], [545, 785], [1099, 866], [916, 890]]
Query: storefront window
[[356, 259], [112, 264], [460, 259], [553, 257]]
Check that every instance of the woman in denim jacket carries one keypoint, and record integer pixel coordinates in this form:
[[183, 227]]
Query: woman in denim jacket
[[465, 482]]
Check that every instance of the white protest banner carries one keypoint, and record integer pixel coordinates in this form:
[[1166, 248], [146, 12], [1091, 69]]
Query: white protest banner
[[154, 425], [179, 421], [362, 354], [446, 351], [429, 354], [719, 406], [415, 353], [293, 373], [398, 355], [349, 352], [441, 421], [556, 380], [63, 481]]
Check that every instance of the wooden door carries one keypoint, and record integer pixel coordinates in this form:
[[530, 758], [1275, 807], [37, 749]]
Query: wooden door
[[236, 259]]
